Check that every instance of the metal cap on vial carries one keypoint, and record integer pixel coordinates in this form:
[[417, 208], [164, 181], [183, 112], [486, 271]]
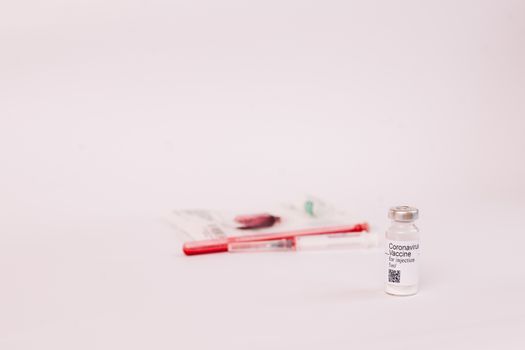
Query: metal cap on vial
[[403, 213]]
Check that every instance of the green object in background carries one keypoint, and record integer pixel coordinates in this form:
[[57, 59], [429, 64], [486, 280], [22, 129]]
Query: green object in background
[[309, 207]]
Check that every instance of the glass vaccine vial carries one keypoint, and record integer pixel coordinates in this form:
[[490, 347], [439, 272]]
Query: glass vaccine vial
[[402, 252]]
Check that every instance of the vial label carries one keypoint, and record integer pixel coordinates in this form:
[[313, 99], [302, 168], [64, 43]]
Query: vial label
[[402, 262]]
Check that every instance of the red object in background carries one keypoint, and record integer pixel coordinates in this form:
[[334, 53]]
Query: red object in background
[[221, 245], [256, 221]]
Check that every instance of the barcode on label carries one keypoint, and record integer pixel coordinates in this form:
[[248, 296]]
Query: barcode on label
[[394, 276]]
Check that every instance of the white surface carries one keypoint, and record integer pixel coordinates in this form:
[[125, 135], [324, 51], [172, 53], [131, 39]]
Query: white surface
[[103, 284], [115, 112]]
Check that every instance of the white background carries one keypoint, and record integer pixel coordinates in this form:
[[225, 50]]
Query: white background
[[113, 113]]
